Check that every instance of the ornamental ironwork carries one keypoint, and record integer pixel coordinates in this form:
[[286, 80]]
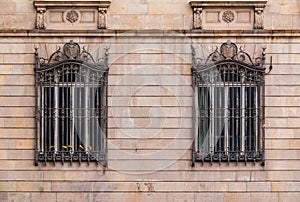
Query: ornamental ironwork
[[229, 111], [71, 106]]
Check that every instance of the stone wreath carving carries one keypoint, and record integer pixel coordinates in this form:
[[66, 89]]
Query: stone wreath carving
[[72, 16], [228, 16]]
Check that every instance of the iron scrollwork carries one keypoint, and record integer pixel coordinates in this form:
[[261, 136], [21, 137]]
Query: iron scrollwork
[[68, 75], [229, 91]]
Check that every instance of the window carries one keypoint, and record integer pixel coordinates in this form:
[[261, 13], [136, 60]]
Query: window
[[71, 107], [229, 106]]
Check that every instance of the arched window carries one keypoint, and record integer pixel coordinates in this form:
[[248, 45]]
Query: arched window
[[229, 106], [71, 106]]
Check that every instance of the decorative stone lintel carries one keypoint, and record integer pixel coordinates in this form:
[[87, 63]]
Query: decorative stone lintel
[[67, 14], [226, 13]]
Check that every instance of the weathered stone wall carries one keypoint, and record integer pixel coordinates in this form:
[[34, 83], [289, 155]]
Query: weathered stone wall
[[149, 96], [150, 14]]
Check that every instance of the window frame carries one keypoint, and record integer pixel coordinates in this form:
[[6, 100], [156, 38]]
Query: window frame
[[225, 69], [66, 131]]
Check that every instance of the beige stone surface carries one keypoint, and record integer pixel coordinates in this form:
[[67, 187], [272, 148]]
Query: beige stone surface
[[264, 196], [285, 197], [150, 103]]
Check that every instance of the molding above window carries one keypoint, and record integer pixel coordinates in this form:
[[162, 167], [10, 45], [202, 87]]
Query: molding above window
[[71, 15], [228, 15]]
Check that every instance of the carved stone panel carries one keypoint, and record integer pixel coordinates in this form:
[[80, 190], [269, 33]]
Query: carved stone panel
[[72, 15], [228, 15], [236, 18]]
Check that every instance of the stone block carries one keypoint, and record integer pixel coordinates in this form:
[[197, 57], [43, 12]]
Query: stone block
[[221, 187], [258, 186], [237, 186], [33, 186], [243, 176], [267, 197], [283, 176], [281, 22], [287, 122], [152, 144], [208, 197], [258, 175], [282, 154], [25, 91], [287, 197], [287, 165], [43, 196], [150, 133], [13, 48], [283, 112], [141, 22], [22, 59], [148, 112], [149, 101], [170, 69], [71, 197], [16, 133], [296, 22], [278, 48], [118, 8], [283, 101], [16, 69], [291, 7], [20, 154], [19, 122], [283, 144], [156, 8], [285, 186], [73, 176], [144, 122], [24, 7], [16, 144], [8, 7], [148, 90], [8, 186], [137, 8], [237, 197], [19, 196], [4, 196], [283, 80], [17, 80], [146, 80], [16, 112], [78, 186], [17, 21], [57, 175]]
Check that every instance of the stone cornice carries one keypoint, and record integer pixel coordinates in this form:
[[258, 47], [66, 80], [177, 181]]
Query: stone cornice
[[64, 15], [228, 3], [137, 33], [92, 3], [228, 14]]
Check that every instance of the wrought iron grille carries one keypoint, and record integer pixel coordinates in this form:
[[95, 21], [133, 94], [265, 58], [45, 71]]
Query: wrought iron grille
[[71, 106], [229, 91]]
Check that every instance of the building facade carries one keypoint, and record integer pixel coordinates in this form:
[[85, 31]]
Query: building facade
[[142, 100]]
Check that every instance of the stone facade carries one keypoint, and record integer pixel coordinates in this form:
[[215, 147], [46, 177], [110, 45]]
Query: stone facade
[[150, 106]]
